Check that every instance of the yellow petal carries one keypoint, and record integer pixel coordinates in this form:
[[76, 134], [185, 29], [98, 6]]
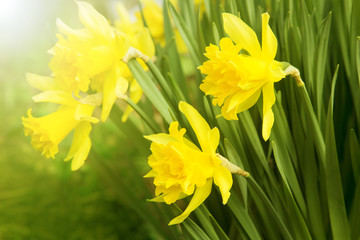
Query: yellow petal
[[93, 20], [150, 174], [123, 13], [201, 193], [269, 41], [161, 138], [248, 103], [41, 82], [68, 31], [121, 86], [60, 97], [243, 100], [81, 133], [223, 179], [174, 132], [208, 140], [109, 94], [172, 196], [276, 72], [135, 93], [84, 112], [144, 42], [227, 45], [242, 34], [81, 155], [268, 115], [92, 99], [162, 196]]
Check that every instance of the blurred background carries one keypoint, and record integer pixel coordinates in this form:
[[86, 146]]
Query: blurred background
[[41, 198]]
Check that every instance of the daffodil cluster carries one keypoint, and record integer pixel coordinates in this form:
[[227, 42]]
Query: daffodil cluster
[[238, 73], [87, 72]]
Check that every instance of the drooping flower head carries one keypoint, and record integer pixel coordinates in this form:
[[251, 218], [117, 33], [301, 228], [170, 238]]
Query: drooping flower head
[[48, 131], [180, 168], [238, 73]]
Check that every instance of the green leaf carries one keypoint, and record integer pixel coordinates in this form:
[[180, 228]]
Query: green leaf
[[358, 57], [190, 228], [150, 89], [150, 122], [308, 44], [129, 128], [220, 232], [282, 126], [185, 33], [172, 52], [204, 218], [288, 174], [320, 62], [338, 218], [355, 154], [232, 8], [311, 176], [234, 158], [252, 134], [354, 218], [243, 217], [314, 124], [168, 92], [277, 220]]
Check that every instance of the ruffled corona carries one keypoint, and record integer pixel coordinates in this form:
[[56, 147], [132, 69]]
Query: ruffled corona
[[238, 73], [180, 168], [47, 132]]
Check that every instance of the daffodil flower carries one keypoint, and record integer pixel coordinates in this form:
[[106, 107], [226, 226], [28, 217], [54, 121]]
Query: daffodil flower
[[47, 132], [91, 57], [238, 73], [180, 168]]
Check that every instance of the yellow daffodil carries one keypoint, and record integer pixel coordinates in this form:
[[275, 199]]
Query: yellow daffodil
[[238, 73], [180, 168], [47, 132], [91, 57]]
